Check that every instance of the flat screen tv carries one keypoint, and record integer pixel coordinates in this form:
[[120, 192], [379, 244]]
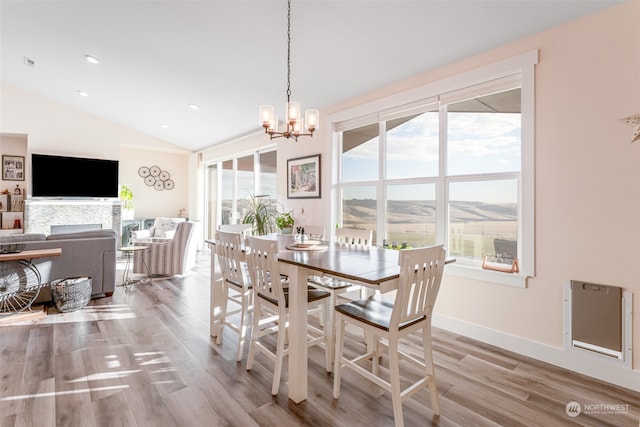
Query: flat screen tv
[[73, 177]]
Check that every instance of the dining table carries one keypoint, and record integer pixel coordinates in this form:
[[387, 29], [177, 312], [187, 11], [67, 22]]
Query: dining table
[[373, 267]]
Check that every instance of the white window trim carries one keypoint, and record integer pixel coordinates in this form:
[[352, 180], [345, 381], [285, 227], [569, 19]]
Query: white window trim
[[524, 64]]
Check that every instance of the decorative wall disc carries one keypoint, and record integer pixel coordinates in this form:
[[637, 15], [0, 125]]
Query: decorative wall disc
[[143, 171], [157, 178]]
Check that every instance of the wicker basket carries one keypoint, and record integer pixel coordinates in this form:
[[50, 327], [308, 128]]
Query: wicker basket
[[71, 294]]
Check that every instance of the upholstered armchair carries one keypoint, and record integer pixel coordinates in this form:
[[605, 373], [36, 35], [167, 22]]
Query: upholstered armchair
[[167, 256]]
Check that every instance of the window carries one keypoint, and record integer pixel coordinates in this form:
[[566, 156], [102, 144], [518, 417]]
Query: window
[[230, 181], [452, 167]]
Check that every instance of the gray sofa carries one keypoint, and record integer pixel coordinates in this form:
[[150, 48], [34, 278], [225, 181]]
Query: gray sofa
[[86, 253]]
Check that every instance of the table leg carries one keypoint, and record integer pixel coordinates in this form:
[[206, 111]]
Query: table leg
[[145, 280], [126, 280], [298, 362]]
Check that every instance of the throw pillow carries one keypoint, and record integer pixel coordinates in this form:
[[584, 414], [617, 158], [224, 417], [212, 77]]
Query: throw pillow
[[163, 227]]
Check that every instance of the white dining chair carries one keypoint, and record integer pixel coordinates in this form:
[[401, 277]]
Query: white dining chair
[[271, 307], [237, 287], [411, 311]]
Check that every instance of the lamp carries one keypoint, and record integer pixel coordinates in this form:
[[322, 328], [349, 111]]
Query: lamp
[[295, 124]]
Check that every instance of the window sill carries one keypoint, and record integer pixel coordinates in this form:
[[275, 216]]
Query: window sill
[[478, 273]]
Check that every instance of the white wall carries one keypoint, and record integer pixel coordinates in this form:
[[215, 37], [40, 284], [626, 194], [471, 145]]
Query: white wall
[[149, 202]]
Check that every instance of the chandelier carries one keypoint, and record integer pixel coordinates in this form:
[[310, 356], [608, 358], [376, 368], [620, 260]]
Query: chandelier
[[295, 125]]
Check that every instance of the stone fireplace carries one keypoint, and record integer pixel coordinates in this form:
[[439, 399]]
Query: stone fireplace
[[41, 215]]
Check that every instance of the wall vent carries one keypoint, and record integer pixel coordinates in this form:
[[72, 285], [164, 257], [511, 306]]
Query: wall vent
[[598, 320]]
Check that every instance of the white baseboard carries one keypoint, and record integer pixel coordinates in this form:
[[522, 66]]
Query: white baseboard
[[558, 356]]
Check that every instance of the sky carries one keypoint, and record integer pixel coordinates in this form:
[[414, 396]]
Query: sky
[[477, 143]]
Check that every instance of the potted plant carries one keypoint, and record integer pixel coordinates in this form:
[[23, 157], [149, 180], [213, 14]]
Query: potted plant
[[262, 213], [285, 222], [126, 195]]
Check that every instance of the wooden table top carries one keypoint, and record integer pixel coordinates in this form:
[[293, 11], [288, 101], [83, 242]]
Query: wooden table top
[[32, 254], [370, 265]]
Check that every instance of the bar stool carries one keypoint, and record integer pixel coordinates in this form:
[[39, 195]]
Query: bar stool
[[237, 286], [420, 276], [271, 307]]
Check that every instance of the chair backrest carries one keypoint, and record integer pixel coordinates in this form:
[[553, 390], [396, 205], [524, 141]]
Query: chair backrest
[[354, 236], [229, 251], [236, 228], [420, 276], [262, 260]]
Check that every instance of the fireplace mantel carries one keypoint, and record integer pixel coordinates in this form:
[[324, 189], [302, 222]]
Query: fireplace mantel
[[40, 215]]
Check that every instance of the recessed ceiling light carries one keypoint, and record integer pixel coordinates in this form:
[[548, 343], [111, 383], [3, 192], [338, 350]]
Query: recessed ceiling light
[[82, 93], [92, 59], [29, 62], [194, 107], [164, 126]]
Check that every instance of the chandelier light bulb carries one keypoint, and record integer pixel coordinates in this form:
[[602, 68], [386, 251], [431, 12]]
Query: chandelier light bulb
[[312, 119], [266, 114], [273, 124]]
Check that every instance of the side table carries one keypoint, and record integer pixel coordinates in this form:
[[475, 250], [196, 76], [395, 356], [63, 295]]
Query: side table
[[20, 279], [127, 281]]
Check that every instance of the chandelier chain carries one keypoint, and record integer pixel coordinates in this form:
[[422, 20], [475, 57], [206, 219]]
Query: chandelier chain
[[288, 50], [296, 125]]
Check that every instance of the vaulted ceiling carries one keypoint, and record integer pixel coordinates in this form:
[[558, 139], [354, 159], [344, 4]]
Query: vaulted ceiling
[[229, 57]]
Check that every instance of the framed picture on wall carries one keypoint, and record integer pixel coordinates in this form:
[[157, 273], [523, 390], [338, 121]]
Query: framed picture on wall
[[303, 177], [13, 168]]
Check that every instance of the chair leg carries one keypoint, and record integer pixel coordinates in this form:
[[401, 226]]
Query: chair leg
[[376, 356], [337, 363], [277, 370], [257, 312], [223, 313], [430, 369], [394, 379], [243, 324], [328, 333]]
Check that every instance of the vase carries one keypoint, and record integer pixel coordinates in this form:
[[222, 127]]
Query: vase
[[127, 214]]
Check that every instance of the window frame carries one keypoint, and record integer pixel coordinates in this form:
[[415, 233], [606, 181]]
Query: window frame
[[523, 66]]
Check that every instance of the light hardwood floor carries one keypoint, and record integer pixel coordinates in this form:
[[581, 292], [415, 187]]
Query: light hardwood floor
[[145, 358]]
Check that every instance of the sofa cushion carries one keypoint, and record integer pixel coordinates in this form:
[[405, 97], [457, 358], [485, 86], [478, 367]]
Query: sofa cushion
[[89, 234]]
